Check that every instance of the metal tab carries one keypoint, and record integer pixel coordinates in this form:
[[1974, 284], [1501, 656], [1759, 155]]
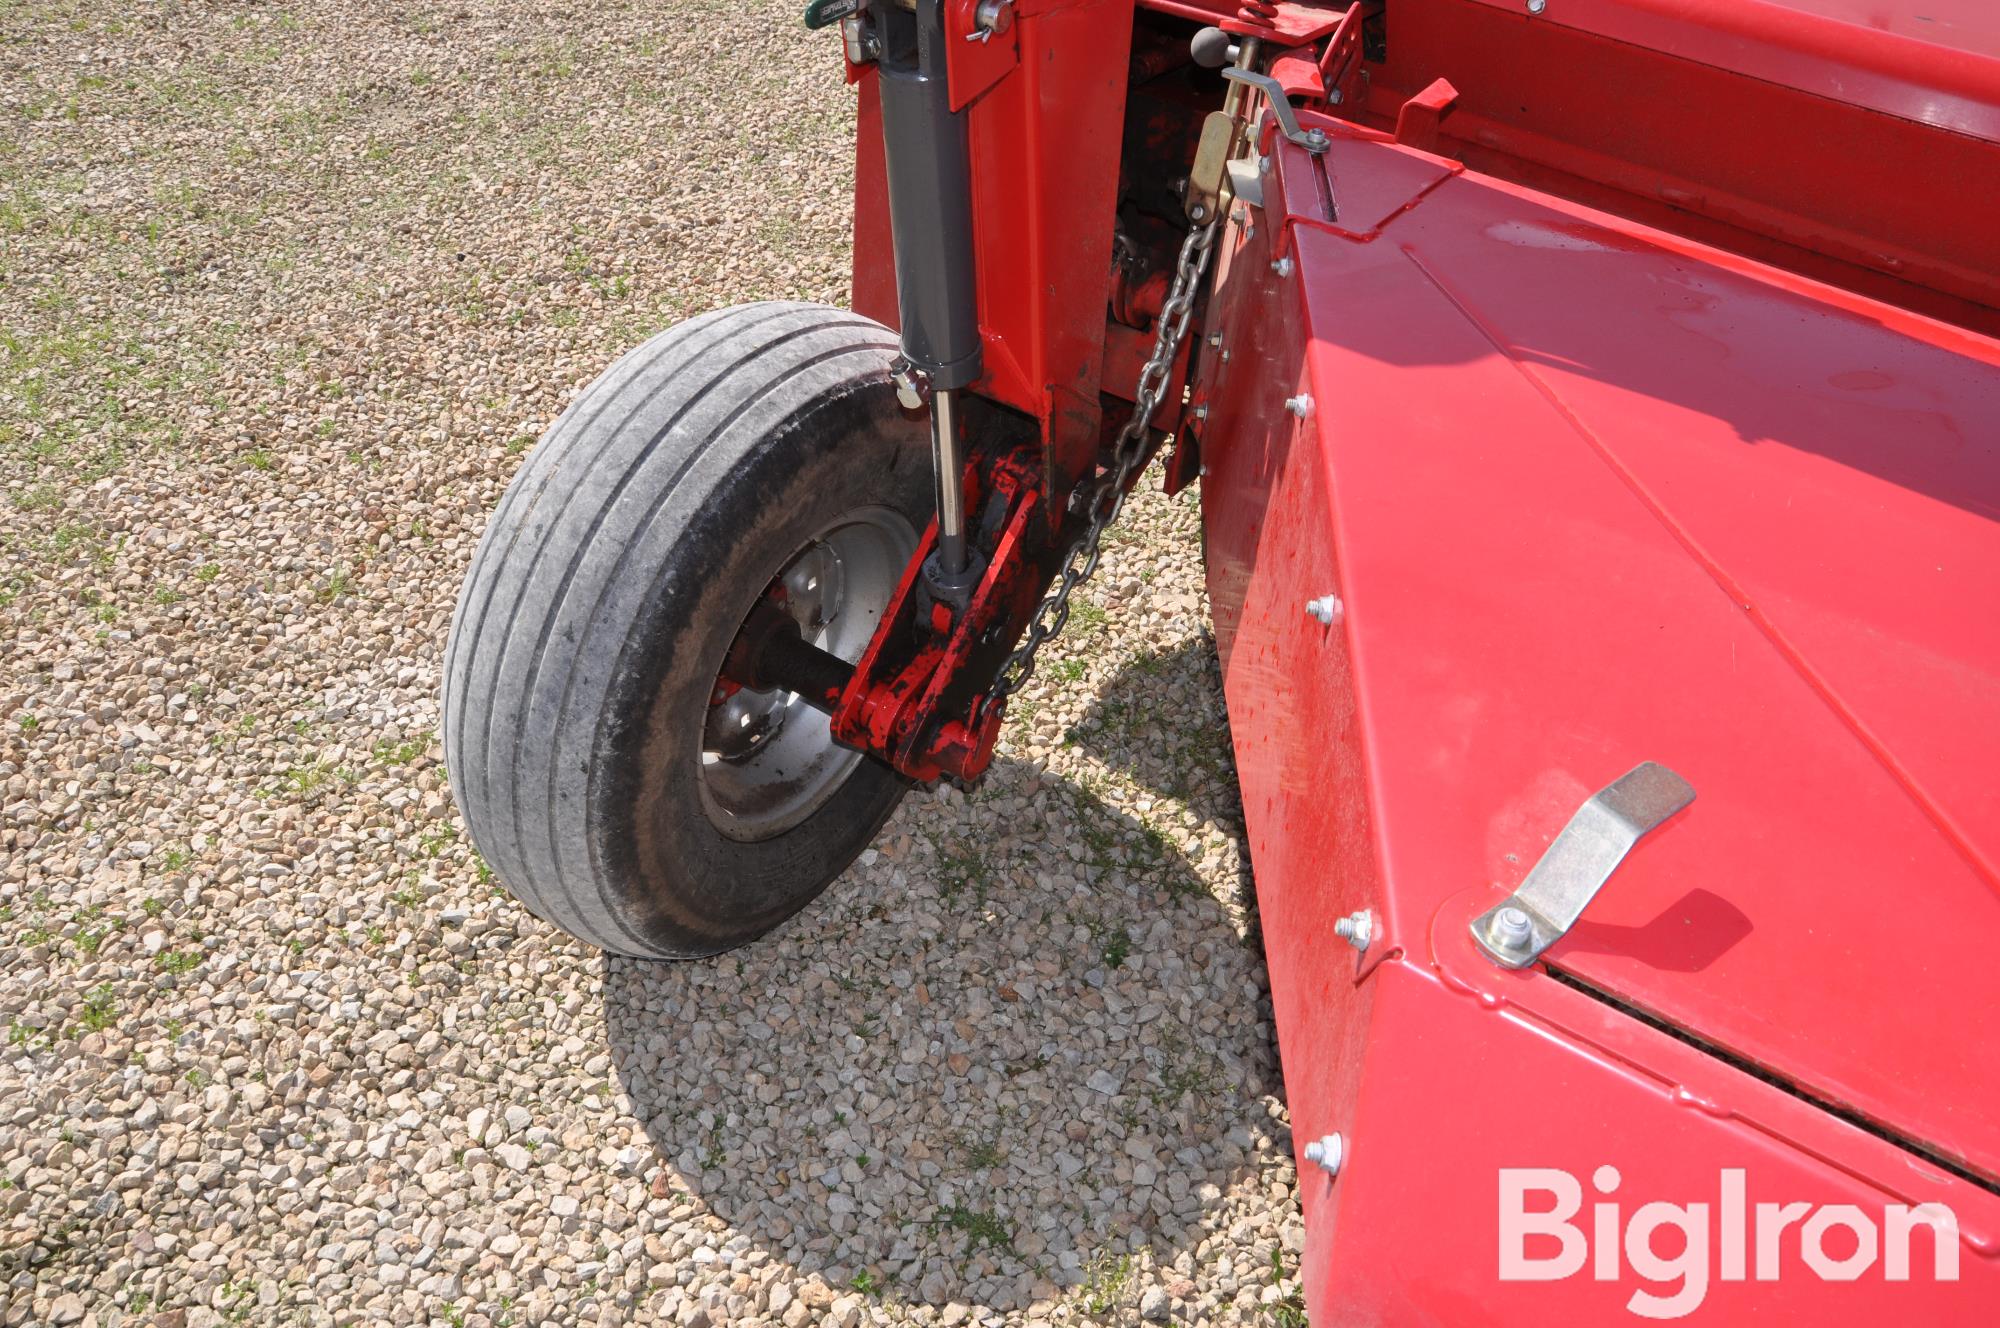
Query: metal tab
[[1245, 183], [1314, 141], [1576, 866]]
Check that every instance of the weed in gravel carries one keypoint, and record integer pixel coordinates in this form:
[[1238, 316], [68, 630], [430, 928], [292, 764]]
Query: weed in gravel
[[1184, 1075], [1067, 670], [979, 1154], [398, 753], [980, 1228], [1104, 1283], [338, 585], [100, 1008], [956, 872], [1289, 1311]]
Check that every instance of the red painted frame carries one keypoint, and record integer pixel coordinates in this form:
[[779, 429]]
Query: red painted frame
[[1045, 138], [1781, 132]]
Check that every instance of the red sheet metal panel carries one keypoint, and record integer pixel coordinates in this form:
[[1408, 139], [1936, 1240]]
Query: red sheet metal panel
[[1458, 1091], [1823, 145], [1590, 495], [1936, 63]]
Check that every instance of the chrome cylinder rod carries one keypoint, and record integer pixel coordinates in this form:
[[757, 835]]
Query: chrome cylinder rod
[[948, 472]]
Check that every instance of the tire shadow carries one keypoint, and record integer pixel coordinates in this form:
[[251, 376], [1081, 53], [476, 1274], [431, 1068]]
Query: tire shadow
[[1018, 1043]]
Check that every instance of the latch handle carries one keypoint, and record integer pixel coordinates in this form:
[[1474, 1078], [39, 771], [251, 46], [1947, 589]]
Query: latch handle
[[1578, 863], [1314, 141]]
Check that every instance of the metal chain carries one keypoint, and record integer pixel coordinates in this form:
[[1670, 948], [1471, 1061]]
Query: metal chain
[[1127, 452]]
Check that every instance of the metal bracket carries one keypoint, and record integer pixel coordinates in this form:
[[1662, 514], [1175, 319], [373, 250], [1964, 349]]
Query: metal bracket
[[1314, 141], [1245, 182], [1606, 828]]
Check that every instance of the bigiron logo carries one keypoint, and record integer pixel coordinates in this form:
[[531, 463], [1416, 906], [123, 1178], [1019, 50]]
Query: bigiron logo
[[1674, 1249]]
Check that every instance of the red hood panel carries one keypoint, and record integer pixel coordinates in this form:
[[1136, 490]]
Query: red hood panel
[[1605, 497]]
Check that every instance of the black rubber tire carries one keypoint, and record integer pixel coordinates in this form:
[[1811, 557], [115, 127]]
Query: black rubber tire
[[601, 600]]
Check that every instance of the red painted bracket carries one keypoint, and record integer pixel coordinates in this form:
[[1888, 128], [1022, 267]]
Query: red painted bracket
[[1419, 118], [906, 701], [974, 63]]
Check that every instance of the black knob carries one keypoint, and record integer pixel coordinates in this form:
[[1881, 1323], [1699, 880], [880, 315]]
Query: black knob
[[1212, 49]]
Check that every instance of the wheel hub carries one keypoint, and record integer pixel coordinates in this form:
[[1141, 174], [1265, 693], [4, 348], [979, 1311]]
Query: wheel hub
[[768, 758]]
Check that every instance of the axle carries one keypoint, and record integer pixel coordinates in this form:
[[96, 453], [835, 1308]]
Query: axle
[[770, 653]]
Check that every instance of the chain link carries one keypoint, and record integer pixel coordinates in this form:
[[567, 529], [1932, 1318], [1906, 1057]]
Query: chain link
[[1108, 500]]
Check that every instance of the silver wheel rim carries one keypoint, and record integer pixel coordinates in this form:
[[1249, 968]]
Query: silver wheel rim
[[768, 760]]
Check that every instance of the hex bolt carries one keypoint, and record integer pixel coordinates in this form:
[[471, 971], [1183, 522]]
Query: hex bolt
[[1199, 212], [1327, 1153], [1327, 609], [1511, 929], [1316, 140], [1200, 413], [1537, 6], [1263, 163], [1283, 267], [1238, 216], [1300, 405], [1358, 928]]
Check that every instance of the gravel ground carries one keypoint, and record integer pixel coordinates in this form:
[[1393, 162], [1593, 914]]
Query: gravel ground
[[288, 292]]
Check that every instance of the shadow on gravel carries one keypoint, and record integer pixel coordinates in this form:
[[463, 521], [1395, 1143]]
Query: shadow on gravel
[[1189, 761], [1020, 1042]]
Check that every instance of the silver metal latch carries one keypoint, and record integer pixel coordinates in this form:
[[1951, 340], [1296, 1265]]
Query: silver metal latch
[[1576, 866], [1314, 141]]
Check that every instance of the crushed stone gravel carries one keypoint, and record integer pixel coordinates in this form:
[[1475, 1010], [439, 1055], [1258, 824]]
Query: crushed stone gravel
[[289, 291]]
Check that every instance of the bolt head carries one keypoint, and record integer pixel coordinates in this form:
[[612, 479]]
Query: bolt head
[[1511, 929], [1283, 267], [1537, 6], [1327, 1153], [1199, 212]]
